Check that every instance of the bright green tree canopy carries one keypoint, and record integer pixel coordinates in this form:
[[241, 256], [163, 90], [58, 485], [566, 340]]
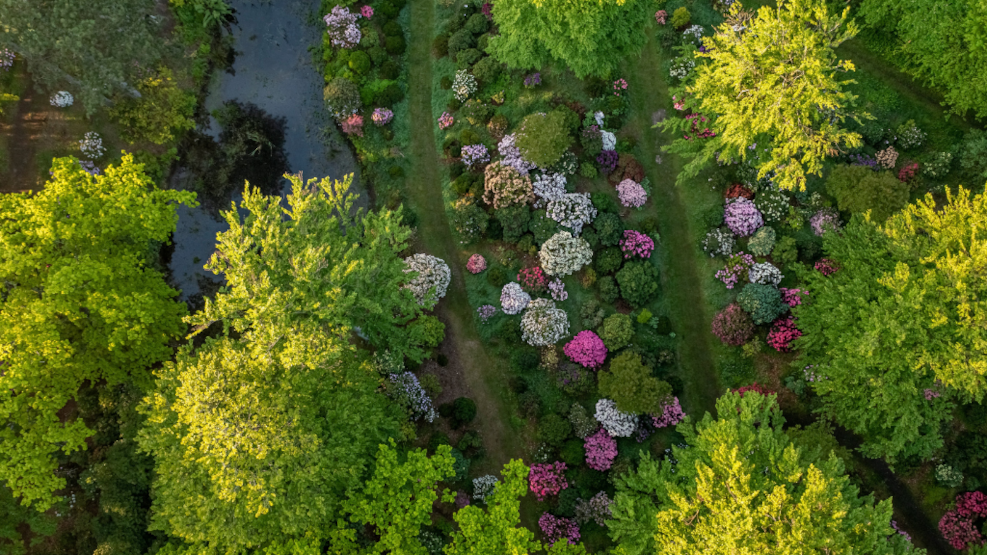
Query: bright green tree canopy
[[630, 384]]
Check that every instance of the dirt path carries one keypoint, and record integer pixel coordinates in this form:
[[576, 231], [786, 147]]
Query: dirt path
[[484, 375], [20, 137], [681, 277]]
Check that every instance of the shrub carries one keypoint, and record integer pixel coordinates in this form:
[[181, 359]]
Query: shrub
[[742, 216], [571, 210], [463, 85], [718, 242], [487, 70], [617, 331], [765, 272], [733, 326], [772, 204], [949, 476], [440, 46], [681, 17], [563, 254], [547, 479], [342, 98], [557, 529], [532, 279], [637, 244], [762, 242], [632, 387], [554, 430], [631, 193], [469, 219], [466, 58], [463, 411], [762, 302], [973, 154], [542, 138], [513, 299], [607, 288], [858, 189], [605, 203], [587, 170], [591, 314], [671, 414], [596, 509], [477, 24], [514, 219], [582, 424], [909, 135], [431, 281], [608, 260], [601, 450], [162, 111], [460, 465], [586, 349], [785, 252], [616, 422], [638, 282], [359, 62], [782, 333], [395, 44], [460, 40], [573, 453], [543, 324], [503, 186], [342, 28], [609, 229], [825, 220]]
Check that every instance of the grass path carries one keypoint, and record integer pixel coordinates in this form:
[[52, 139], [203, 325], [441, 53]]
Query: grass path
[[485, 376], [681, 279]]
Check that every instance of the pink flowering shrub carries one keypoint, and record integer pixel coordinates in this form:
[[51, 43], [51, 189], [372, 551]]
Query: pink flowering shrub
[[783, 332], [733, 326], [586, 349], [736, 269], [533, 280], [756, 388], [826, 266], [661, 17], [931, 394], [558, 528], [636, 243], [825, 220], [446, 120], [381, 116], [486, 312], [631, 193], [957, 526], [476, 264], [343, 30], [601, 450], [792, 297], [353, 125], [367, 12], [698, 128], [619, 85], [547, 479], [671, 414], [742, 217]]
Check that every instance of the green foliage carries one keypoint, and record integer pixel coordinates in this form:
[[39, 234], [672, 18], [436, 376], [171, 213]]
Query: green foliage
[[608, 260], [607, 287], [477, 24], [617, 331], [630, 384], [81, 303], [487, 70], [463, 411], [744, 468], [573, 453], [772, 78], [973, 154], [460, 40], [638, 282], [543, 138], [591, 314], [762, 242], [466, 58], [785, 252], [858, 189], [212, 12], [359, 62], [587, 170], [680, 17], [514, 219], [554, 430], [342, 97], [424, 333], [13, 516], [543, 227], [609, 228], [762, 302], [162, 111], [589, 38]]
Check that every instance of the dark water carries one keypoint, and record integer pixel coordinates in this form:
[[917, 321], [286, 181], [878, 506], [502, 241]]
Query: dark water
[[273, 70]]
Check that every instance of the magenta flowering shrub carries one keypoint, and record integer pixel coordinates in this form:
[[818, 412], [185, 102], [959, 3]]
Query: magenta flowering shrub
[[558, 528], [698, 127], [782, 333], [826, 266], [636, 243], [671, 415], [476, 264], [631, 193], [586, 349], [792, 297], [825, 220], [733, 326], [619, 85], [343, 30], [601, 450], [367, 12], [475, 155], [736, 269], [446, 120], [533, 279], [661, 17], [742, 217], [957, 525], [381, 116], [547, 479]]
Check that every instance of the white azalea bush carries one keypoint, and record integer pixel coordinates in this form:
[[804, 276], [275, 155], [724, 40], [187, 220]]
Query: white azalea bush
[[615, 422], [513, 299], [463, 85], [484, 486], [572, 210], [62, 99], [548, 187], [765, 273], [432, 280], [609, 140], [718, 242], [564, 254], [543, 324]]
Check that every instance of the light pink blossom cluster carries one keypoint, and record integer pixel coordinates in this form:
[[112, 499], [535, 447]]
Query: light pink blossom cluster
[[736, 269], [601, 450], [586, 349], [381, 116], [367, 12], [636, 243], [557, 528], [825, 220], [826, 266], [343, 30], [742, 217], [631, 193], [619, 85], [671, 415], [353, 125], [931, 394], [476, 264], [446, 120], [557, 288], [661, 16], [547, 479], [792, 297], [957, 526]]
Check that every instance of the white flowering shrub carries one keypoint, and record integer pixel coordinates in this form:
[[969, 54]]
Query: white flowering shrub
[[548, 187], [909, 135], [615, 422], [407, 392], [543, 324], [765, 273], [718, 242], [682, 67], [513, 299], [564, 254], [62, 99], [464, 85], [693, 33], [432, 280], [92, 145], [609, 140], [572, 210], [938, 165], [484, 486], [772, 204]]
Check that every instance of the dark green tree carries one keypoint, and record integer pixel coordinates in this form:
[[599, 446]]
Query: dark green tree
[[630, 384], [858, 189]]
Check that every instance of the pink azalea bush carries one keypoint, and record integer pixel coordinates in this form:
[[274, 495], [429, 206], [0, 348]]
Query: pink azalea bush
[[533, 280], [619, 85], [476, 264], [742, 217], [957, 525], [343, 30], [586, 349], [601, 450], [733, 326], [825, 220], [636, 243], [661, 17], [558, 528], [671, 415], [446, 120], [381, 116], [367, 12], [631, 193], [547, 479], [353, 125], [783, 332], [792, 297], [736, 269], [826, 266]]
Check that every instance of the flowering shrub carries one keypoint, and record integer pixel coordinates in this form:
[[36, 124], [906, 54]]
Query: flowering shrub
[[908, 172], [511, 155], [463, 85], [738, 190], [763, 241], [931, 394], [367, 12], [342, 98], [661, 17], [938, 165], [782, 333], [762, 302], [381, 116], [343, 30], [619, 85], [693, 33], [446, 120], [596, 509], [957, 525], [572, 210], [631, 193], [825, 220], [548, 187], [557, 528], [949, 476], [601, 450], [89, 167], [733, 326], [826, 266], [792, 297], [474, 155], [513, 299], [504, 186], [476, 264], [682, 67], [562, 254], [608, 140], [353, 125], [484, 486], [607, 160], [485, 312], [671, 414], [407, 392], [742, 216], [6, 59], [92, 145], [532, 279], [636, 243], [772, 204], [547, 479], [718, 242], [887, 158], [62, 99], [543, 324], [864, 160], [615, 422], [766, 273], [432, 280], [698, 128], [757, 388], [557, 289], [532, 80], [737, 268], [909, 135], [586, 349], [468, 219]]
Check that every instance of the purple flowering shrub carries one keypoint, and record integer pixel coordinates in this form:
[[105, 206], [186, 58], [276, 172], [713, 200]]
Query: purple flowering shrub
[[607, 161], [558, 528], [636, 243], [486, 312], [742, 217], [601, 450], [532, 80], [825, 220], [381, 116], [737, 269], [475, 155], [671, 414]]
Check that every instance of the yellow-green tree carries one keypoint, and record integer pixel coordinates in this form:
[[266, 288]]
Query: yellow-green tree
[[82, 302], [771, 79]]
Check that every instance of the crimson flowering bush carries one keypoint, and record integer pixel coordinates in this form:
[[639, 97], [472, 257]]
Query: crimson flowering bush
[[737, 190], [476, 264], [547, 479], [957, 525], [756, 388], [671, 414], [792, 297], [908, 172], [736, 269], [586, 349], [827, 266], [636, 243], [733, 326], [558, 528], [601, 450], [533, 280], [742, 217], [783, 332]]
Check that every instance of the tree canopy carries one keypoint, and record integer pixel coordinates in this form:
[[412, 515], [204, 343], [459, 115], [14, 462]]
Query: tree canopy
[[741, 485], [630, 384], [81, 303]]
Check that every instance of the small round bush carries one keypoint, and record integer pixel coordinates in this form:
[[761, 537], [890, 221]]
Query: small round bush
[[733, 326], [565, 506], [858, 189], [463, 410], [762, 242], [395, 44], [762, 302], [607, 287], [554, 430], [616, 331], [477, 24], [573, 453], [460, 465], [681, 17], [638, 282], [609, 228], [389, 69], [359, 62], [460, 40], [487, 70], [543, 138], [608, 260], [342, 97], [466, 58], [603, 203], [392, 28], [440, 46], [587, 170]]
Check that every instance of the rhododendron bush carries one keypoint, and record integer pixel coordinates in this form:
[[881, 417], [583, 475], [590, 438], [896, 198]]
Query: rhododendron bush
[[432, 280], [547, 479], [596, 509], [562, 254], [742, 217], [737, 269], [782, 333], [511, 155], [343, 30], [475, 155], [601, 450], [532, 280], [513, 299], [615, 422], [765, 273], [557, 528], [631, 193], [557, 289], [957, 525], [636, 243], [504, 186], [543, 324], [825, 220], [476, 264], [733, 326], [572, 210], [792, 297], [671, 414], [586, 349], [549, 187]]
